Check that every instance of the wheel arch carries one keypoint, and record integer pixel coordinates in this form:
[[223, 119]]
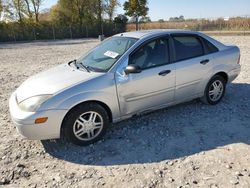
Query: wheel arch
[[223, 75], [105, 106]]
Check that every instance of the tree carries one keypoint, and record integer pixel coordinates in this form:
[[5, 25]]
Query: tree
[[29, 12], [181, 18], [36, 8], [1, 7], [120, 22], [76, 11], [136, 8], [177, 19], [99, 4], [65, 12], [83, 12], [23, 10], [16, 8], [110, 6], [83, 8], [121, 19]]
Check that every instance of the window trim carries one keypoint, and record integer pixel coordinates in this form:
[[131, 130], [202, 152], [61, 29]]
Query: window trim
[[186, 35], [144, 43]]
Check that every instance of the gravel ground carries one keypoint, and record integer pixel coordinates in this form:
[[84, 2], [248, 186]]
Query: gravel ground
[[188, 145]]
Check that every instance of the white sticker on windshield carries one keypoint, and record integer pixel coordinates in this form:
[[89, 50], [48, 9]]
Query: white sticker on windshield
[[111, 54]]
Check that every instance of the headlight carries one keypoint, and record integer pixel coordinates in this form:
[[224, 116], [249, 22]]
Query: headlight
[[33, 103]]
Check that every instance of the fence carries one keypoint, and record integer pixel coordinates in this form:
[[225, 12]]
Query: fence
[[14, 31], [46, 31]]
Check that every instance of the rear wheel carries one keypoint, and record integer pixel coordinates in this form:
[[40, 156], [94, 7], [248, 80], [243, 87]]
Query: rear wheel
[[214, 91], [85, 124]]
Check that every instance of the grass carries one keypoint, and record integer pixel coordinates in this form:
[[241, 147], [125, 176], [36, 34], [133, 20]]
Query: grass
[[234, 24]]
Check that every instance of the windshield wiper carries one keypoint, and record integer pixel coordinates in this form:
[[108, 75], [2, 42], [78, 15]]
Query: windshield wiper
[[77, 65], [84, 66]]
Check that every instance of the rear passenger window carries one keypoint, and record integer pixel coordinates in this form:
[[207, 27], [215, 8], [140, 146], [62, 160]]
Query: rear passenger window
[[210, 48], [187, 47]]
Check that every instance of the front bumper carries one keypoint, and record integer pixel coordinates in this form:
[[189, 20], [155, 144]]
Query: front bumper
[[25, 122]]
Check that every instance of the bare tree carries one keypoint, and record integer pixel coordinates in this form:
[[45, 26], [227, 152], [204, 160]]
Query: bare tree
[[29, 12], [22, 9], [1, 7], [110, 6], [15, 9], [36, 8]]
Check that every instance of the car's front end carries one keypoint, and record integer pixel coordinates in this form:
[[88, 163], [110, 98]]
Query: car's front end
[[32, 105], [37, 125], [39, 106]]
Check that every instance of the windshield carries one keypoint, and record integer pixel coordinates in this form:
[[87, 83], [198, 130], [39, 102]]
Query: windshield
[[106, 54]]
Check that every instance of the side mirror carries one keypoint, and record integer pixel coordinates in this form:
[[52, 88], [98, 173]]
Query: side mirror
[[132, 69]]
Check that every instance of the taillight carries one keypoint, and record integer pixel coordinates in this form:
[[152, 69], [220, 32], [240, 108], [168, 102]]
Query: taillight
[[238, 60]]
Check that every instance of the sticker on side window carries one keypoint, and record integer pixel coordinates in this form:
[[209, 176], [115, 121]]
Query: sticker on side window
[[111, 54]]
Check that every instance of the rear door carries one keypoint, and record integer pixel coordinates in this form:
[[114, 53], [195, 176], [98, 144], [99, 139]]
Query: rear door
[[193, 66]]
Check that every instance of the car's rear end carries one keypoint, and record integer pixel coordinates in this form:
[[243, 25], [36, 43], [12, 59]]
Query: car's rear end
[[232, 60], [227, 59]]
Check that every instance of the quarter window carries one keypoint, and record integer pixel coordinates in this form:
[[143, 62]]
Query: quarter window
[[210, 48], [187, 47], [152, 54]]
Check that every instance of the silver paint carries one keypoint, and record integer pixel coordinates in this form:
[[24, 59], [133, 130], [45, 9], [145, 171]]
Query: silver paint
[[124, 95]]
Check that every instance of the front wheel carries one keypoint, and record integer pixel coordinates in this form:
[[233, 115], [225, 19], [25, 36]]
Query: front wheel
[[214, 91], [85, 124]]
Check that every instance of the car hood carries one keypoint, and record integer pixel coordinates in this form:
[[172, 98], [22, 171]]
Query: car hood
[[53, 81]]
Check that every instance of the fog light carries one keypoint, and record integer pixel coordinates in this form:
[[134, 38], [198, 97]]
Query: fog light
[[41, 120]]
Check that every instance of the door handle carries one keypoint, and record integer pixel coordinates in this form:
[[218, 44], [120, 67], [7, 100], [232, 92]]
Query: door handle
[[204, 62], [164, 73]]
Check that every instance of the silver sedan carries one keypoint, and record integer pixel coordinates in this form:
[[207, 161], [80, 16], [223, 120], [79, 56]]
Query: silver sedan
[[127, 74]]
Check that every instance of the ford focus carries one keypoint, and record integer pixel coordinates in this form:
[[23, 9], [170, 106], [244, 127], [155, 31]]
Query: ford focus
[[125, 75]]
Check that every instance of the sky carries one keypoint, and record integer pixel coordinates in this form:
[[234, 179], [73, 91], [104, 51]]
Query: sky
[[164, 9]]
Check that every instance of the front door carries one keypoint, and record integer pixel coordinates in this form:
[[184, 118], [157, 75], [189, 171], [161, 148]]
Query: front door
[[154, 86]]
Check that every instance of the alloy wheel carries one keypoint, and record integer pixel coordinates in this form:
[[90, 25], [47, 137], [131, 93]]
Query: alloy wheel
[[88, 126], [216, 90]]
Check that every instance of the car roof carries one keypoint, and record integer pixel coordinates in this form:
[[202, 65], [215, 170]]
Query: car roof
[[156, 32], [148, 33]]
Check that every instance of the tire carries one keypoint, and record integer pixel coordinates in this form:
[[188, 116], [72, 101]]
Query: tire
[[85, 124], [209, 97]]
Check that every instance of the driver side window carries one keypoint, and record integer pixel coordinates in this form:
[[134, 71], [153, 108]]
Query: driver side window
[[152, 54]]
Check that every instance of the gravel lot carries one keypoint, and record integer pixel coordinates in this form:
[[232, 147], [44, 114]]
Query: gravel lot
[[189, 145]]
